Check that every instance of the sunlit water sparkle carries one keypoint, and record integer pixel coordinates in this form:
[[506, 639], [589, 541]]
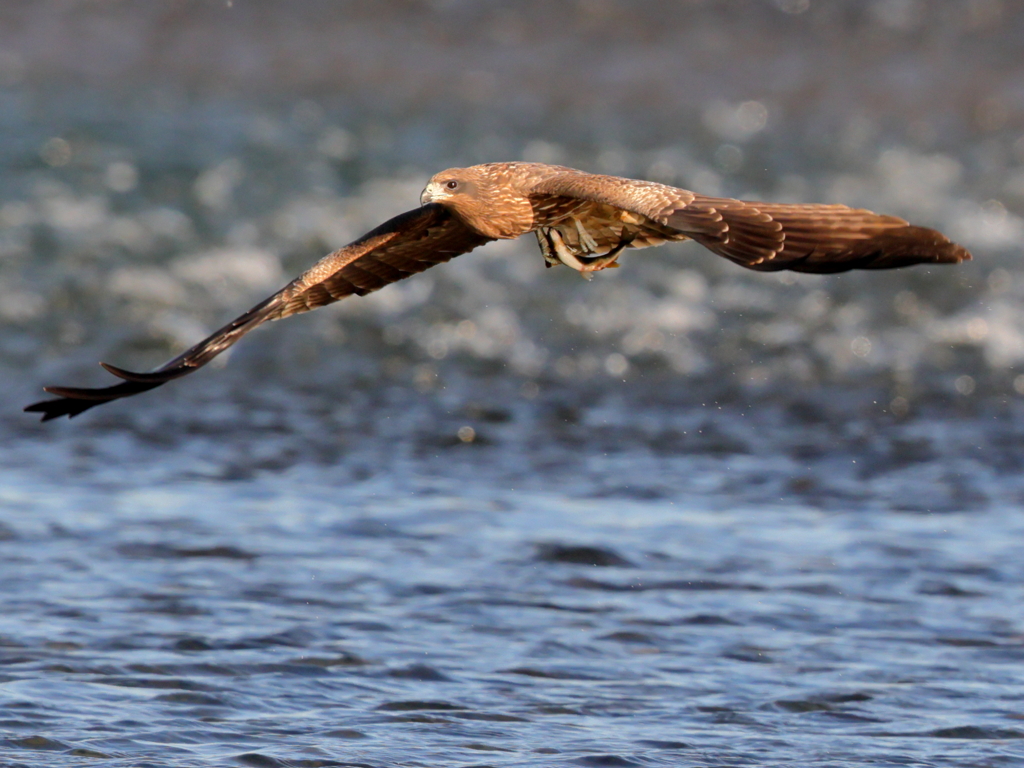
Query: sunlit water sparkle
[[683, 514]]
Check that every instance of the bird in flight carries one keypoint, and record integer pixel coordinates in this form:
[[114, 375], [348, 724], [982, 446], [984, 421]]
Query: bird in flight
[[581, 220]]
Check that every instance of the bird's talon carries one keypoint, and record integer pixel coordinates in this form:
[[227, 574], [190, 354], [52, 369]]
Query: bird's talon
[[544, 240], [587, 243], [565, 256]]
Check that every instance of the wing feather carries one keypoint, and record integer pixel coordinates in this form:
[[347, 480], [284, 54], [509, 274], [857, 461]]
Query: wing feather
[[812, 238], [613, 210], [409, 243], [762, 236]]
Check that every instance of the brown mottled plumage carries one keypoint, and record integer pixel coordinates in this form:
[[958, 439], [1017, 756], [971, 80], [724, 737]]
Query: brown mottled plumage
[[582, 220]]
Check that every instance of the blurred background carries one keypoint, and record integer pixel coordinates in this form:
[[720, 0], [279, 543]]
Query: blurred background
[[164, 165], [167, 164]]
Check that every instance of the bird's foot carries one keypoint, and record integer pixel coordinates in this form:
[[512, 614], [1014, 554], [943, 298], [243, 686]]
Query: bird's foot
[[546, 247], [556, 251], [587, 243]]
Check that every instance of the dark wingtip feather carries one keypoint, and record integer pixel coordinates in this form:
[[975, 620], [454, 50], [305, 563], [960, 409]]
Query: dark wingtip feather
[[888, 249], [955, 255], [906, 246], [72, 401], [62, 406], [156, 377], [121, 373]]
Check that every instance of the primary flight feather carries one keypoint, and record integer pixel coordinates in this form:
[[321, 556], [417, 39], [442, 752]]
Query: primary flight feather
[[582, 220]]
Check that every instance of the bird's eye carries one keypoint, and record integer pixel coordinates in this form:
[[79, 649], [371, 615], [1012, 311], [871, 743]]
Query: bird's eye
[[452, 184]]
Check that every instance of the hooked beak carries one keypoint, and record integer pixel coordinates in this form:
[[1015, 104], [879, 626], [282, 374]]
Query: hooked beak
[[433, 193]]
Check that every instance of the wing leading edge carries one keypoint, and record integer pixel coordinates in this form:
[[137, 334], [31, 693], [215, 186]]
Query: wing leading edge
[[403, 246]]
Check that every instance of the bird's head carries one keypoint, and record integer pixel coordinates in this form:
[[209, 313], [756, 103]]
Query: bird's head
[[484, 197], [451, 186]]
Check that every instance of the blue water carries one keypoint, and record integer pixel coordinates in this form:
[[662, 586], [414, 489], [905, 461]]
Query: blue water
[[682, 514], [417, 619]]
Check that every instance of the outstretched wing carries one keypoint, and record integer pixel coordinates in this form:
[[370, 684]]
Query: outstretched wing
[[407, 244], [762, 236], [820, 239]]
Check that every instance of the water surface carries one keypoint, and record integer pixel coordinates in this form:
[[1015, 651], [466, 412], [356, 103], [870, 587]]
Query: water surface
[[682, 514]]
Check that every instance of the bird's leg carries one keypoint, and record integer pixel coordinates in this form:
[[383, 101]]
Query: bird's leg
[[556, 251], [607, 260], [544, 241], [566, 256]]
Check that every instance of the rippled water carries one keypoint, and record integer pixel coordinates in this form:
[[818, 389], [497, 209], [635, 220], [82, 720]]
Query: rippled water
[[682, 514], [451, 621]]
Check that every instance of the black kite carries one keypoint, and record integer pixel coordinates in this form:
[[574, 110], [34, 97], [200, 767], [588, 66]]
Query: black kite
[[581, 220]]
